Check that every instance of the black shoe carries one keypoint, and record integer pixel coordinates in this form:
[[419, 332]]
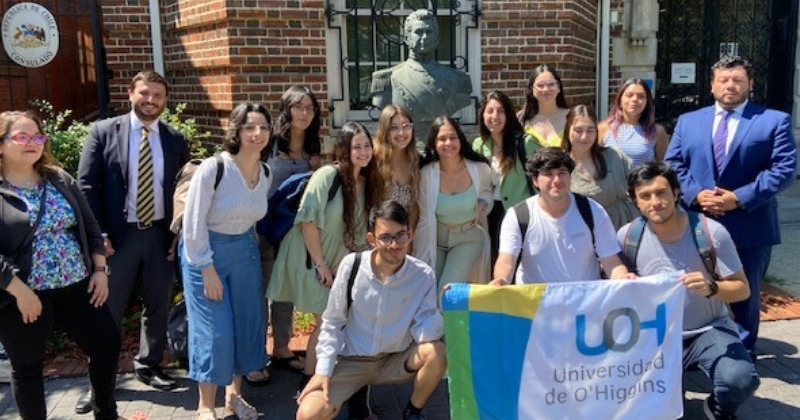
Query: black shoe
[[84, 404], [156, 378]]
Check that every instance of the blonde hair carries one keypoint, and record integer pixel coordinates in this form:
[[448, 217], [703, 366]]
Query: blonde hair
[[383, 150]]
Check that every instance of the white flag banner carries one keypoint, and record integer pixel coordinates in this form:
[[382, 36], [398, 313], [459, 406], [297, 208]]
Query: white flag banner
[[607, 349]]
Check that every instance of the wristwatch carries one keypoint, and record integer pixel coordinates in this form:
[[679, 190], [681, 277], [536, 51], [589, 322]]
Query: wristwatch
[[713, 288], [102, 269]]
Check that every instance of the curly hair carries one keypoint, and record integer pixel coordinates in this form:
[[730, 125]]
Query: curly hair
[[237, 120], [383, 150], [373, 191], [46, 162]]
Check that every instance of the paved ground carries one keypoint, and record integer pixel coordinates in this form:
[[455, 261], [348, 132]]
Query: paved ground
[[778, 398]]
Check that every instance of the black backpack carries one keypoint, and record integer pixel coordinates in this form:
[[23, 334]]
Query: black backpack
[[524, 217], [181, 190], [699, 226]]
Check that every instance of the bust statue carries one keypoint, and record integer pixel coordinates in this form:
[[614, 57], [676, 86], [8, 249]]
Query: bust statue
[[421, 84]]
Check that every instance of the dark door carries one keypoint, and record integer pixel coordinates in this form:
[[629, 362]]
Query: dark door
[[75, 78], [697, 33]]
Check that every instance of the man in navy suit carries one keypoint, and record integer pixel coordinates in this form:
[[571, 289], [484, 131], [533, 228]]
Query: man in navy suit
[[108, 173], [732, 159]]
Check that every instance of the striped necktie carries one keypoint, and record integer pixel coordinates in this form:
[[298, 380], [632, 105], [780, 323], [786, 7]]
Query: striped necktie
[[145, 206]]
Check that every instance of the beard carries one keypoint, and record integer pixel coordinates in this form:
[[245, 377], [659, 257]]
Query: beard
[[145, 114]]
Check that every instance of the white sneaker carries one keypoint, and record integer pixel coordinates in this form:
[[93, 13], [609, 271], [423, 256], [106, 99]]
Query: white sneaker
[[5, 370]]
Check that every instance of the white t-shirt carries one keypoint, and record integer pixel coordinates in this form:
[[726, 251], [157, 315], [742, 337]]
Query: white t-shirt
[[558, 249]]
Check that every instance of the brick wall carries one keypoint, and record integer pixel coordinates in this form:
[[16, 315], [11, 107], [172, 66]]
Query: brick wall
[[518, 35], [220, 52], [126, 37]]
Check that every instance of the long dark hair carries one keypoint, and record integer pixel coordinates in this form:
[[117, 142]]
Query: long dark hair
[[531, 107], [511, 132], [283, 123], [581, 111], [465, 150], [373, 189], [648, 118]]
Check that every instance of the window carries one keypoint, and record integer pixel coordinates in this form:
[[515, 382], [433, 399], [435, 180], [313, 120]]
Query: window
[[367, 35]]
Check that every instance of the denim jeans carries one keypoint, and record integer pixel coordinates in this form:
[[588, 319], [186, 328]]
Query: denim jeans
[[226, 337], [721, 355]]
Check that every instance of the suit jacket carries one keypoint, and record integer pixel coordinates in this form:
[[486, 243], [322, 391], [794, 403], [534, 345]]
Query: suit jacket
[[103, 172], [761, 162], [16, 255]]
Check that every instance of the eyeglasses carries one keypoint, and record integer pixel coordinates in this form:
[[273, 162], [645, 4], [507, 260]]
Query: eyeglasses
[[23, 139], [443, 139], [404, 127], [401, 238], [546, 85], [301, 109], [252, 128]]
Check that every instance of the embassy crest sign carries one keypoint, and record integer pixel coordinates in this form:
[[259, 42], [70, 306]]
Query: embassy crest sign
[[30, 34]]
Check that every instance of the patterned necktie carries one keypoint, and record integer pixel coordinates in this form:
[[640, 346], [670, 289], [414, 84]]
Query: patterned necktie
[[145, 208], [721, 140]]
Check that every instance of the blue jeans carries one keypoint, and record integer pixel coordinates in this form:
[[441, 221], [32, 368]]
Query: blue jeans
[[226, 337], [721, 355]]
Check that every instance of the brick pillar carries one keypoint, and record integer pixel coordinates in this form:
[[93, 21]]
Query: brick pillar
[[519, 35]]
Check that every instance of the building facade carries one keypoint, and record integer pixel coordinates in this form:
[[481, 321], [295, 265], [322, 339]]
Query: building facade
[[216, 53]]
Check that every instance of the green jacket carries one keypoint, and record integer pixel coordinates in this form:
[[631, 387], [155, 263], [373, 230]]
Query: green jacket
[[513, 185]]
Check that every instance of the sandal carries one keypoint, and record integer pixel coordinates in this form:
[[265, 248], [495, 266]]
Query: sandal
[[206, 414], [294, 362], [241, 408], [259, 377]]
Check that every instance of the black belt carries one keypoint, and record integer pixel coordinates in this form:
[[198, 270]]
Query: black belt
[[145, 226]]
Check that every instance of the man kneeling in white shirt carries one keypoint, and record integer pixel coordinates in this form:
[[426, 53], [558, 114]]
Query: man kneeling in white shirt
[[386, 329]]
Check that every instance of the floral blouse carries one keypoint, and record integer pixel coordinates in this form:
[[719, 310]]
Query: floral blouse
[[57, 260]]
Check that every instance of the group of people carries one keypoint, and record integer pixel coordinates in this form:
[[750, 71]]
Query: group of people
[[546, 194]]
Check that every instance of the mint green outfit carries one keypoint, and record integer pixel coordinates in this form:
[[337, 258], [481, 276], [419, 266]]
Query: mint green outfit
[[513, 185], [291, 279]]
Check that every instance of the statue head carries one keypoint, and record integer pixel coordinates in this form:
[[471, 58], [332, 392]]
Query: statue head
[[421, 33]]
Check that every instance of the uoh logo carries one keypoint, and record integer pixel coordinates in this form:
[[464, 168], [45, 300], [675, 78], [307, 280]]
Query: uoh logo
[[659, 324]]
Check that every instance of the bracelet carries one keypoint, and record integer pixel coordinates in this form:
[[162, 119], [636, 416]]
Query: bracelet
[[321, 266]]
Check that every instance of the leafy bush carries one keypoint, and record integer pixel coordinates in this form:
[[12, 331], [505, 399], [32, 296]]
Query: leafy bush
[[66, 141], [198, 148]]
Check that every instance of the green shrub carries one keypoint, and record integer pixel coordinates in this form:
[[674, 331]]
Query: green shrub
[[198, 147], [66, 141]]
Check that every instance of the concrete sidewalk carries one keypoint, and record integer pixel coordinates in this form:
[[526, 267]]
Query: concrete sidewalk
[[777, 398]]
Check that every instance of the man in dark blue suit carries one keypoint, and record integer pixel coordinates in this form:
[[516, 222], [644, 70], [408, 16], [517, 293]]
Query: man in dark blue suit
[[733, 158], [115, 182]]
